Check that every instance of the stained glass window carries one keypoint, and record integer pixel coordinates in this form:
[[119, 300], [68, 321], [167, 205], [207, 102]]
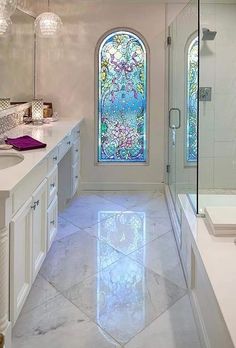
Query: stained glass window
[[122, 99], [192, 101]]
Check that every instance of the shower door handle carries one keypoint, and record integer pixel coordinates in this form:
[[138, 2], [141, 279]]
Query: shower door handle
[[179, 117]]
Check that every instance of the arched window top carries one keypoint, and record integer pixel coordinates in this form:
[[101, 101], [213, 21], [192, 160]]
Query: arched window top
[[193, 51], [192, 99], [119, 39], [122, 98]]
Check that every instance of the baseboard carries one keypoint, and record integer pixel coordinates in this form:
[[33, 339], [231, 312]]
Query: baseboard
[[121, 186]]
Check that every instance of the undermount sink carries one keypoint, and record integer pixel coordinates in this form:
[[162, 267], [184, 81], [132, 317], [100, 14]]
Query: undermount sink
[[9, 159]]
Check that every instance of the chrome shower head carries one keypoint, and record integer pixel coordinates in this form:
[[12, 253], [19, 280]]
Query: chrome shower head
[[208, 35]]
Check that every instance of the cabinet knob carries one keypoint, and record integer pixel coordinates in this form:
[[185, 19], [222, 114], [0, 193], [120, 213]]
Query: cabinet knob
[[52, 222], [53, 185], [68, 142], [78, 132], [55, 158], [33, 206], [36, 203], [76, 177], [77, 150]]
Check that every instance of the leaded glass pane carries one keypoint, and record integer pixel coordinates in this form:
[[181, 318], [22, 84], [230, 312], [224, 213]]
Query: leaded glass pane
[[192, 107], [122, 99]]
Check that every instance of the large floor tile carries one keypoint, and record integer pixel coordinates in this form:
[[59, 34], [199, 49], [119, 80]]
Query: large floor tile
[[65, 228], [76, 257], [173, 329], [124, 298], [128, 231], [129, 199], [59, 324], [40, 293], [155, 208], [85, 210], [162, 257]]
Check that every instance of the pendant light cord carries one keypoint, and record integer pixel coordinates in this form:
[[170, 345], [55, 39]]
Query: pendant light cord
[[48, 6]]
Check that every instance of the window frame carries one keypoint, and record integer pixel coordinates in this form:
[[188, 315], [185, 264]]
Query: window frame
[[194, 37], [96, 98]]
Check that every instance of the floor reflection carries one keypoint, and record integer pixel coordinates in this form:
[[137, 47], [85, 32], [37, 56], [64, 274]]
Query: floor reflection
[[127, 230], [121, 291], [121, 298]]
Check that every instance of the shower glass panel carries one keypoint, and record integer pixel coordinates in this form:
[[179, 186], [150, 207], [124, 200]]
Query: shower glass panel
[[183, 104], [217, 117]]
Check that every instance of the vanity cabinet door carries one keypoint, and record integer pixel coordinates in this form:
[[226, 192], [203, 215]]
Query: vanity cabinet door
[[20, 259], [52, 222], [75, 178], [39, 228]]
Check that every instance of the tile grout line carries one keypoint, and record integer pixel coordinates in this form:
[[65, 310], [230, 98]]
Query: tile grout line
[[110, 200], [180, 298], [61, 293]]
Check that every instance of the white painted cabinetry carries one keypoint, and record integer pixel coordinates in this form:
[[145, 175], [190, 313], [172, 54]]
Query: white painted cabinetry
[[39, 227], [28, 245], [33, 226], [52, 221], [29, 195], [20, 258]]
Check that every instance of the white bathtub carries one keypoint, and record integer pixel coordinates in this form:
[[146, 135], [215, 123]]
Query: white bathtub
[[213, 200]]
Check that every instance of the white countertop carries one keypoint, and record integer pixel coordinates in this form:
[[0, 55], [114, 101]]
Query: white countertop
[[219, 258], [51, 134]]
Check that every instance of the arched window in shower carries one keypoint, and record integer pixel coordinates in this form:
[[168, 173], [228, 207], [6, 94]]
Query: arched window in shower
[[122, 98], [192, 101]]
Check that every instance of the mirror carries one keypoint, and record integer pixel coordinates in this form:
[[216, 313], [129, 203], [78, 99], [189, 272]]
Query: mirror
[[17, 61]]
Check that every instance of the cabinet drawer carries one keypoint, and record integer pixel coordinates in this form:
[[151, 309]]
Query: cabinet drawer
[[76, 133], [52, 221], [76, 152], [52, 184], [75, 178], [26, 187], [64, 146], [52, 159]]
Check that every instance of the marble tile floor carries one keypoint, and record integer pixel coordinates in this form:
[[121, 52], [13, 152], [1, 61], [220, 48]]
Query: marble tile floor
[[112, 278]]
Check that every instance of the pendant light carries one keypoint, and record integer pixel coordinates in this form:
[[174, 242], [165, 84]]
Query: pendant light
[[7, 8], [5, 26], [48, 24]]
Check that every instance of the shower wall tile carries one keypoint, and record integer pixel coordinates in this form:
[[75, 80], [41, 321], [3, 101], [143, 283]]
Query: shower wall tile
[[225, 168], [218, 70], [225, 149], [225, 117], [206, 166], [206, 143]]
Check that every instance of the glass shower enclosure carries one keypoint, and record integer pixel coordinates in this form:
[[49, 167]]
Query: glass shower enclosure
[[202, 105], [183, 104]]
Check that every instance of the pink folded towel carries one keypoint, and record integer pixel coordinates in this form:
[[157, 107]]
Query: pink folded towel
[[25, 143]]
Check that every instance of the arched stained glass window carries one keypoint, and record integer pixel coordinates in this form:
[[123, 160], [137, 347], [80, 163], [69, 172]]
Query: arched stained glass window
[[122, 99], [192, 100]]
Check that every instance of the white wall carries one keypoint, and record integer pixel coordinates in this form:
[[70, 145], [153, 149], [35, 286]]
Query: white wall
[[66, 76], [218, 117]]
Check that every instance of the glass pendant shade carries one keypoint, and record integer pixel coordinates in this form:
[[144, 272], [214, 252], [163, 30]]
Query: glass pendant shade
[[7, 7], [48, 25], [5, 26]]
